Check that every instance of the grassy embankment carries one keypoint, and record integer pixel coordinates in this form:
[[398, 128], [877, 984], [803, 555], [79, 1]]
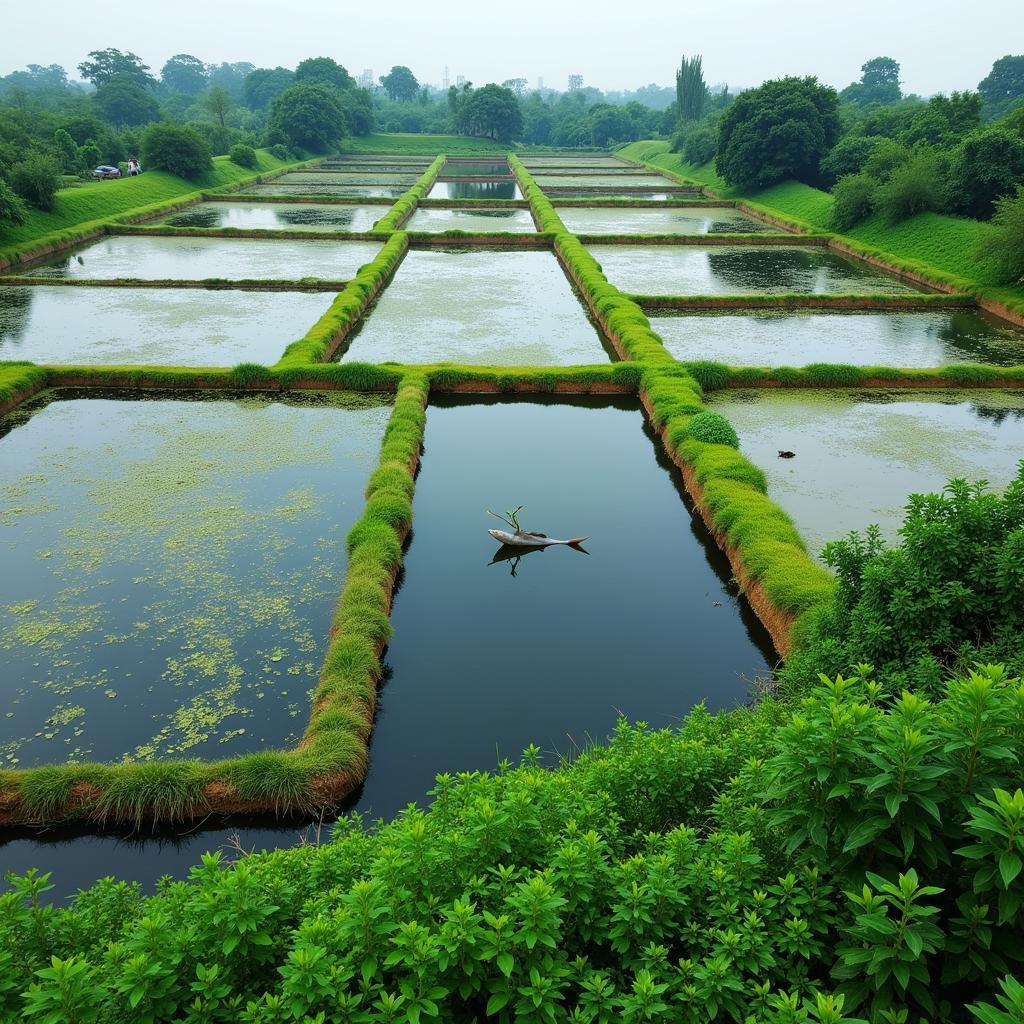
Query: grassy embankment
[[936, 240], [426, 145], [100, 200]]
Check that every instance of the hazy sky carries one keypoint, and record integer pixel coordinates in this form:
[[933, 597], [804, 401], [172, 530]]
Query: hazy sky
[[614, 45]]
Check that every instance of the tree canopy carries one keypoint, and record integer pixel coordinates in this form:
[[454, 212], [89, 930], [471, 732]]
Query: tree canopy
[[264, 85], [492, 112], [691, 91], [1004, 83], [879, 83], [779, 130], [323, 71], [400, 83], [111, 63], [184, 73], [309, 117]]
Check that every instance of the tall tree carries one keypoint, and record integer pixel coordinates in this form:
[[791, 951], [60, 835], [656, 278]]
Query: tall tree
[[779, 130], [232, 77], [218, 103], [106, 64], [400, 84], [1004, 83], [492, 112], [309, 116], [124, 103], [323, 71], [184, 73], [691, 89]]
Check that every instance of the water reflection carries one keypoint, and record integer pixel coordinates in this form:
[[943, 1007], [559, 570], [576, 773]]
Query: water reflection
[[15, 309], [513, 554]]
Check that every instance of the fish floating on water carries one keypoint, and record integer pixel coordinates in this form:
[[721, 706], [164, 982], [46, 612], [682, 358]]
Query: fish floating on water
[[525, 539]]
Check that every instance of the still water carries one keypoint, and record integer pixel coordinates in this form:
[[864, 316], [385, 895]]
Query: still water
[[279, 216]]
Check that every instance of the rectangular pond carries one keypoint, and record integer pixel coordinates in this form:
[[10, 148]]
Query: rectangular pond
[[335, 191], [475, 190], [783, 338], [481, 307], [346, 178], [171, 570], [492, 651], [740, 270], [860, 453], [643, 195], [165, 258], [478, 168], [278, 216], [693, 220], [484, 221], [601, 181], [168, 326]]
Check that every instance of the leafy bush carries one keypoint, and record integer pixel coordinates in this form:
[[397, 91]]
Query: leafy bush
[[89, 155], [244, 156], [712, 428], [853, 197], [1005, 245], [948, 595], [914, 187], [12, 210], [279, 151], [176, 150], [700, 145], [848, 156], [36, 180], [985, 167]]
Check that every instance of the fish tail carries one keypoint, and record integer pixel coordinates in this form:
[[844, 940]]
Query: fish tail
[[575, 542]]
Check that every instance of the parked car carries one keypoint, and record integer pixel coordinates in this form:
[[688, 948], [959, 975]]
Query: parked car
[[106, 171]]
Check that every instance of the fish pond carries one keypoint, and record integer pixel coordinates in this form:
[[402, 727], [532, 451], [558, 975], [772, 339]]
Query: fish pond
[[690, 220], [476, 169], [179, 327], [497, 189], [171, 570], [494, 649], [346, 178], [333, 191], [279, 216], [860, 453], [481, 307], [166, 258], [741, 270], [599, 181], [783, 338], [483, 221]]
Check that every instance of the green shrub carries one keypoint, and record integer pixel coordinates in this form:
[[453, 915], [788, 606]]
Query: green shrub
[[89, 155], [853, 197], [279, 151], [913, 187], [986, 166], [176, 150], [36, 180], [848, 156], [1005, 246], [244, 156], [12, 210], [712, 428], [700, 145]]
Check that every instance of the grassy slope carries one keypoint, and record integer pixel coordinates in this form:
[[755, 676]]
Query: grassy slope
[[945, 242], [100, 199], [427, 145]]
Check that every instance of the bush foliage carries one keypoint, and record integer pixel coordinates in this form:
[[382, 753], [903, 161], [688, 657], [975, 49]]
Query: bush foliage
[[177, 150]]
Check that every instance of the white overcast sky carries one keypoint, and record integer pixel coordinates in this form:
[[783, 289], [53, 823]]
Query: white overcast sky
[[940, 44]]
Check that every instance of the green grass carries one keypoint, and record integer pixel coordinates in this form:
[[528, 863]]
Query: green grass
[[100, 200], [404, 208]]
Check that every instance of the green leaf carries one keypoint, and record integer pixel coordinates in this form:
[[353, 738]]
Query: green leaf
[[1009, 867], [505, 963]]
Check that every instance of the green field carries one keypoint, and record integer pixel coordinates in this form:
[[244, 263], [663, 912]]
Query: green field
[[100, 199], [428, 145]]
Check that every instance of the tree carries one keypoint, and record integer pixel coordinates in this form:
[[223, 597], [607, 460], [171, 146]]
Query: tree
[[400, 84], [879, 83], [12, 210], [945, 120], [779, 130], [986, 166], [185, 74], [309, 116], [177, 150], [1004, 83], [848, 156], [323, 71], [109, 64], [610, 124], [66, 150], [357, 106], [691, 90], [232, 77], [516, 85], [1005, 244], [217, 102], [35, 180], [122, 102], [492, 112], [916, 186], [264, 85], [852, 200]]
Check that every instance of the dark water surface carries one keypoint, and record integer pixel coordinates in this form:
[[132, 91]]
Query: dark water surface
[[478, 306], [737, 269], [485, 221], [156, 258], [781, 338], [279, 216], [475, 190], [171, 568], [484, 662], [156, 326], [478, 169]]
